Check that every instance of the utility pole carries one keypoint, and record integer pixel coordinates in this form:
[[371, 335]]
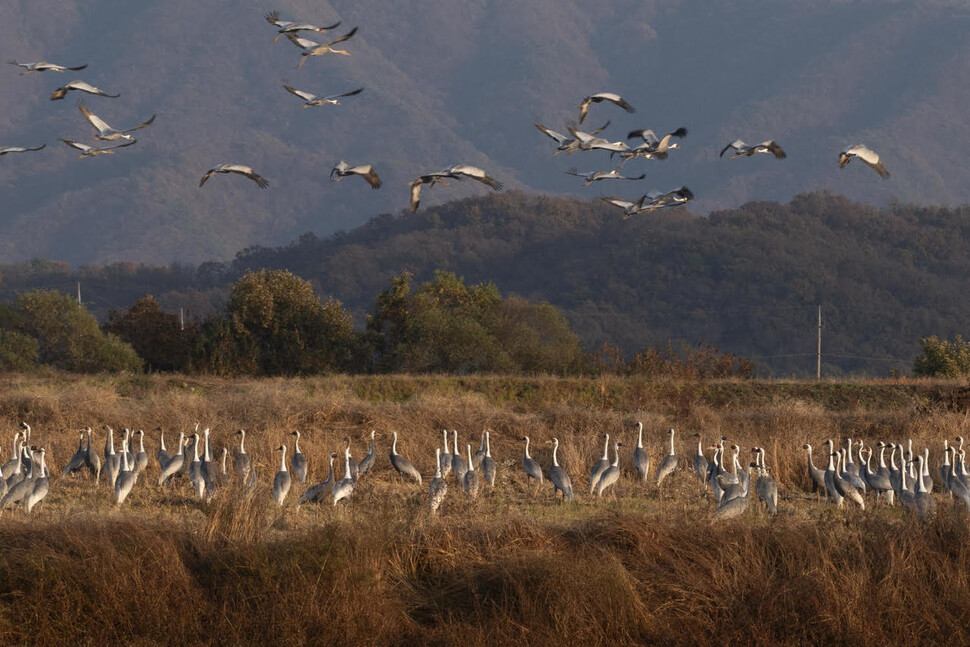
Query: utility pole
[[818, 357], [79, 293], [181, 319]]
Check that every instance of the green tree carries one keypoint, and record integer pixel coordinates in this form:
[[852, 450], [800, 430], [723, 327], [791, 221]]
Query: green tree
[[279, 326], [942, 358], [155, 335], [538, 338], [448, 326], [388, 331], [18, 352], [69, 337]]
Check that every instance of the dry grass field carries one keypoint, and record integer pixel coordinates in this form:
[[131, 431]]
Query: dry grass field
[[512, 567]]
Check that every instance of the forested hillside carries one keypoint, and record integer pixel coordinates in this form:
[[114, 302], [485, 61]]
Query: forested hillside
[[461, 81], [749, 280]]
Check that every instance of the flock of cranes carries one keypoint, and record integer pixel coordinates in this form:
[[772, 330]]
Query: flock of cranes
[[652, 147], [910, 481], [104, 132], [851, 474], [658, 148], [308, 48]]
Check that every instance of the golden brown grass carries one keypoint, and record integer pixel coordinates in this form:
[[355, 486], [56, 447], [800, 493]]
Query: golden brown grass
[[512, 567]]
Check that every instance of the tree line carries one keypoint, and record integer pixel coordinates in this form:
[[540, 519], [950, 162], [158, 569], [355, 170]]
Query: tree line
[[275, 324], [747, 280]]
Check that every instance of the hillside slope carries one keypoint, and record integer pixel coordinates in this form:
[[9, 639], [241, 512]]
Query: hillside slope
[[462, 81]]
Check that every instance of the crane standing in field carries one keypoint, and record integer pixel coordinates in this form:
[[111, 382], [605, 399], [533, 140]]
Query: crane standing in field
[[669, 463], [641, 459], [560, 479], [439, 486], [532, 469], [600, 466], [402, 465]]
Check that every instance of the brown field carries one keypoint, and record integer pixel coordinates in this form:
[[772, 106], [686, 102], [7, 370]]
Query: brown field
[[511, 567]]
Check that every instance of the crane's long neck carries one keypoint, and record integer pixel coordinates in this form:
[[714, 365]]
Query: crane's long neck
[[330, 462], [283, 459], [555, 448], [925, 463], [454, 438], [346, 464], [640, 436], [892, 459], [296, 444], [437, 462], [242, 441], [606, 448], [372, 442], [946, 455], [920, 487], [43, 463], [208, 456], [141, 443], [17, 447], [109, 442], [882, 457], [700, 446], [225, 454], [393, 445], [831, 467], [124, 456], [161, 439], [671, 442], [488, 445], [484, 436], [616, 454], [444, 435], [527, 447], [195, 446], [848, 460], [471, 465], [181, 444]]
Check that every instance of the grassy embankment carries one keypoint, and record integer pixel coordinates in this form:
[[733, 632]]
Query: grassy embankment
[[510, 567]]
